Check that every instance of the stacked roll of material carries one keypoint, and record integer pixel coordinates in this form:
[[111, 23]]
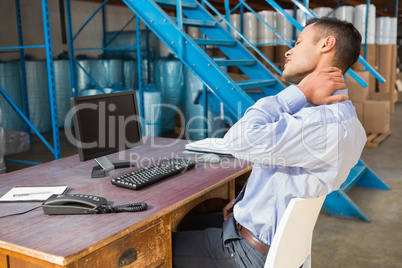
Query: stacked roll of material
[[98, 72], [130, 75], [114, 72], [383, 31], [345, 13], [283, 26], [193, 113], [164, 50], [169, 81], [106, 73], [129, 39], [235, 20], [359, 21], [147, 71], [323, 12], [265, 35], [250, 27], [62, 83], [386, 30], [2, 151], [94, 91], [221, 22], [301, 18], [10, 81], [83, 81], [152, 121], [214, 49], [38, 95], [194, 32], [394, 30]]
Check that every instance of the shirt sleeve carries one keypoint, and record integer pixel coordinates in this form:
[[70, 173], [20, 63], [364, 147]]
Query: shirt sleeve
[[272, 133]]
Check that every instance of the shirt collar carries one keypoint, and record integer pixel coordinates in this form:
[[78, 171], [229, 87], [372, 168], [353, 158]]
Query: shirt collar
[[341, 91]]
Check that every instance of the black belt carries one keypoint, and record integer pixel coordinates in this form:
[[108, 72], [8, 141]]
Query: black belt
[[252, 240]]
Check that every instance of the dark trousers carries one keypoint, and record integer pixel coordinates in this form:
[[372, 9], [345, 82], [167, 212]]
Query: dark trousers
[[207, 241]]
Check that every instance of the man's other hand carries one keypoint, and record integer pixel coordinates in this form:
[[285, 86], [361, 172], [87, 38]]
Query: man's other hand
[[227, 210], [319, 86]]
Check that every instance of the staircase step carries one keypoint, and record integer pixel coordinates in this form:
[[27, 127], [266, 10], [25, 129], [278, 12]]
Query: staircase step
[[235, 62], [355, 174], [255, 83], [170, 3], [215, 42], [199, 23]]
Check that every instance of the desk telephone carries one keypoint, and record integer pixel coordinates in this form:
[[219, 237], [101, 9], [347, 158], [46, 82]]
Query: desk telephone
[[85, 204]]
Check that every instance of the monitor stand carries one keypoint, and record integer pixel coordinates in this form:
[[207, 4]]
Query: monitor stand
[[104, 165]]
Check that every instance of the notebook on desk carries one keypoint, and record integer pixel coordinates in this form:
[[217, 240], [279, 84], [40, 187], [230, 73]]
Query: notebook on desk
[[32, 193], [209, 145]]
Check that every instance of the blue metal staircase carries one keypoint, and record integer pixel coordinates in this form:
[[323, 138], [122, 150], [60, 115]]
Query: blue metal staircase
[[170, 30], [338, 203]]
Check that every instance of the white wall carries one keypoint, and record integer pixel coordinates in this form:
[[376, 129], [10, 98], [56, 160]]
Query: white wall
[[33, 33]]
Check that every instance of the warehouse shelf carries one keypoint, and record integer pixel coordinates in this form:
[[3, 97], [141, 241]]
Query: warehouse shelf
[[50, 78], [72, 50]]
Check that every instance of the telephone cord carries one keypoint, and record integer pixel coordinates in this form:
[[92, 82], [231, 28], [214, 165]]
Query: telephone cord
[[133, 207]]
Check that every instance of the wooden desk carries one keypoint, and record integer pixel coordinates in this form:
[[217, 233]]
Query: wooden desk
[[36, 240]]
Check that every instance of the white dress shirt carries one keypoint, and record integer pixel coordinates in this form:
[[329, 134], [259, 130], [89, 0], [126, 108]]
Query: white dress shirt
[[298, 150]]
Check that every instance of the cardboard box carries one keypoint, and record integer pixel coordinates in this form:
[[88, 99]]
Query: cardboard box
[[280, 51], [398, 84], [393, 63], [391, 96], [376, 116], [359, 106], [238, 77], [356, 92], [268, 51], [372, 83], [386, 65], [371, 57]]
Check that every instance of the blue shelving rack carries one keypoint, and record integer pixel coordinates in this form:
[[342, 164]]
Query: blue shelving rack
[[72, 49], [50, 70]]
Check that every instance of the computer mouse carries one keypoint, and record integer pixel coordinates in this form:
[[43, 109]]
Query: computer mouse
[[209, 158]]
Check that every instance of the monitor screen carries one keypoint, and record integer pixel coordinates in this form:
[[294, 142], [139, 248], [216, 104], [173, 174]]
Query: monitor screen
[[106, 123]]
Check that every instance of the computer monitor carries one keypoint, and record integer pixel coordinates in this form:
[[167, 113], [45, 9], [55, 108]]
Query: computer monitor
[[106, 124]]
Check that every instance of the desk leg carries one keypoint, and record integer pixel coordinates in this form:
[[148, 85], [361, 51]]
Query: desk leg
[[168, 240]]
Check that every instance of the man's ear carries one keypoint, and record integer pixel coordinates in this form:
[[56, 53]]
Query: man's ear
[[328, 44]]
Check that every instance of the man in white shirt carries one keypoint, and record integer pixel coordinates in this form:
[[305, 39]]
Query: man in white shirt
[[303, 143]]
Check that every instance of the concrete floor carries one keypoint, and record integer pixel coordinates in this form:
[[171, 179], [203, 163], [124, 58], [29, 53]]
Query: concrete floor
[[336, 242]]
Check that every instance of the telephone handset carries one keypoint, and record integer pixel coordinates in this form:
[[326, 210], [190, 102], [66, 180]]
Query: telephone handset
[[85, 204], [73, 204]]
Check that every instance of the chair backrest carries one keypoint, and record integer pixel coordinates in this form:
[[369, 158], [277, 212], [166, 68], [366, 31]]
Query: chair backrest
[[291, 244]]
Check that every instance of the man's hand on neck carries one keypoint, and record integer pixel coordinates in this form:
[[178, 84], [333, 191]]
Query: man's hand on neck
[[319, 86]]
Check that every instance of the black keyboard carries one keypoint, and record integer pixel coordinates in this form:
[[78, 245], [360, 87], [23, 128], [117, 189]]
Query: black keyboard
[[145, 176]]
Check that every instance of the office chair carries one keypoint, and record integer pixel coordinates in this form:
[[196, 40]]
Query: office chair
[[291, 245]]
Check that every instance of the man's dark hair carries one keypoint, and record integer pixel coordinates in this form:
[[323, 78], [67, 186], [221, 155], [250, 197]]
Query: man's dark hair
[[348, 40]]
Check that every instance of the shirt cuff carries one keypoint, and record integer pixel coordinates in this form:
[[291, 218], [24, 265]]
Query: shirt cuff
[[294, 97]]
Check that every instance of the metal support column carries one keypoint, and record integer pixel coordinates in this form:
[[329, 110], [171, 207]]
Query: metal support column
[[22, 65], [139, 64], [50, 75], [71, 49]]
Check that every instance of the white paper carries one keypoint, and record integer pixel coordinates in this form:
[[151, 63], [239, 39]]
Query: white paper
[[32, 193]]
